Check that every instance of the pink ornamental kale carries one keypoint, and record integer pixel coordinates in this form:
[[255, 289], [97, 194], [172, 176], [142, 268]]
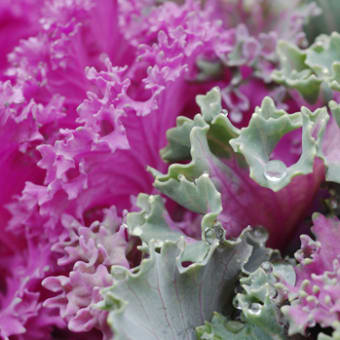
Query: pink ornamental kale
[[92, 251], [88, 90], [16, 24], [315, 297], [22, 312]]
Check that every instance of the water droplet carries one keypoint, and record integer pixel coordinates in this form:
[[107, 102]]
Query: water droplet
[[219, 231], [255, 308], [275, 170], [259, 234], [236, 303]]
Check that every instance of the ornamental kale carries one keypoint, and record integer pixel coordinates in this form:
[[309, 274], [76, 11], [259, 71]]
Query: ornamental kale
[[160, 161]]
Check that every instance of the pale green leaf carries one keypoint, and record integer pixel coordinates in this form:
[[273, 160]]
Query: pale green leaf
[[179, 141], [221, 328], [213, 141], [266, 127], [260, 316], [311, 70], [161, 299], [295, 73], [150, 222]]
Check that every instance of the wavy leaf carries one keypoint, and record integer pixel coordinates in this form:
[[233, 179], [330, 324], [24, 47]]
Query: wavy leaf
[[260, 316], [306, 70], [260, 299], [163, 299], [150, 222], [244, 166], [179, 139], [221, 328], [255, 143], [266, 128]]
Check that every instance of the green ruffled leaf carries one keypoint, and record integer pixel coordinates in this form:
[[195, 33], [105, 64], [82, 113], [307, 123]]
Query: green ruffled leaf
[[323, 57], [266, 127], [259, 304], [220, 130], [213, 138], [295, 73], [210, 104], [189, 184], [179, 141], [306, 70], [260, 299], [198, 195], [162, 299], [233, 177], [150, 222], [221, 328]]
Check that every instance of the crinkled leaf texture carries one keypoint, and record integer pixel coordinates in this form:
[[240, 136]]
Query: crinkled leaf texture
[[91, 92], [312, 69], [258, 302], [176, 289], [255, 184], [153, 221], [221, 328], [91, 251], [78, 129]]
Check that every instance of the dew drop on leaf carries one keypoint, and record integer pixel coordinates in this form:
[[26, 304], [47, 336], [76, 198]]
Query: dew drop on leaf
[[255, 308], [275, 170]]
